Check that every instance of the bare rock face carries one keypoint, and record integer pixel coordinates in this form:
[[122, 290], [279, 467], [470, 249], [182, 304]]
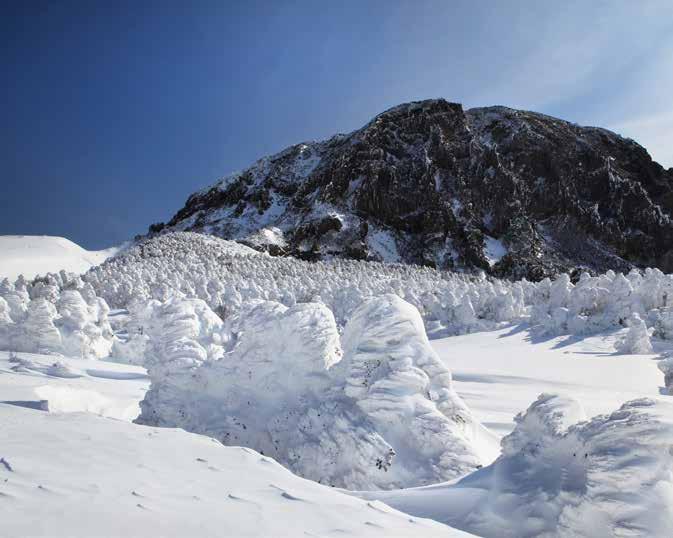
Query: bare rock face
[[515, 193]]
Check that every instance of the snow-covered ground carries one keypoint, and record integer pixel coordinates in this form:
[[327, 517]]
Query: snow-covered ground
[[33, 255], [545, 414], [606, 477], [499, 373], [82, 469], [66, 472], [66, 384]]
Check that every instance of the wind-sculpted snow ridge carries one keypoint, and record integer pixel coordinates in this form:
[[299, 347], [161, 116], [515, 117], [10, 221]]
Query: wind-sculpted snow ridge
[[56, 314], [379, 414], [609, 476]]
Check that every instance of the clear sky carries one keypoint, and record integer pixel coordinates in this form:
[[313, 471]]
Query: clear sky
[[114, 112]]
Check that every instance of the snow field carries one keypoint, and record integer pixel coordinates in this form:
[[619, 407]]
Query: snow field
[[327, 368], [75, 474]]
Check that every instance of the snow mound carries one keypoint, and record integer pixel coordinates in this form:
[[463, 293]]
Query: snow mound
[[69, 385], [609, 476], [383, 416], [32, 255], [79, 475]]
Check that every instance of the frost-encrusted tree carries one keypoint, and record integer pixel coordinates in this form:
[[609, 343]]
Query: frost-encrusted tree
[[181, 334], [637, 339], [560, 475], [7, 327], [404, 389], [384, 415], [84, 329], [662, 320], [39, 332], [666, 366], [17, 299]]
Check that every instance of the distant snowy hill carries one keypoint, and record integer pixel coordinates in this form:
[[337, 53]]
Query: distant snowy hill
[[33, 255], [515, 193]]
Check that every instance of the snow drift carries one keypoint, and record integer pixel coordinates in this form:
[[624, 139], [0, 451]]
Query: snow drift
[[609, 476], [379, 414], [82, 476]]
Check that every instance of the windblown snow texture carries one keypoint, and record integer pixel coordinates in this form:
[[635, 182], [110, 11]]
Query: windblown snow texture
[[559, 475]]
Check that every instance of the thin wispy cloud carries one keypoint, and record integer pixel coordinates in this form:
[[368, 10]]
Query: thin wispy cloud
[[604, 64]]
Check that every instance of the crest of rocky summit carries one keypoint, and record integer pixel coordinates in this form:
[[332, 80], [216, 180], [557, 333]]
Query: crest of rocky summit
[[516, 193]]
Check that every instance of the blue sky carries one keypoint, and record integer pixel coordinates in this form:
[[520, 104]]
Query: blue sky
[[114, 112]]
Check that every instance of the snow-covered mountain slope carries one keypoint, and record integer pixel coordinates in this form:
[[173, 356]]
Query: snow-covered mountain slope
[[512, 192], [33, 255], [69, 473]]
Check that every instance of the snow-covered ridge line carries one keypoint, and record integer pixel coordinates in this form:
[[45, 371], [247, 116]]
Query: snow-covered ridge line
[[33, 255]]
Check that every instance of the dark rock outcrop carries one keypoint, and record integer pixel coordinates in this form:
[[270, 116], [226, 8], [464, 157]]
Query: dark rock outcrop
[[518, 194]]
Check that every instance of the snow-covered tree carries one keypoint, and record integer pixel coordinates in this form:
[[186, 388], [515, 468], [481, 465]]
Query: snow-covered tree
[[637, 339]]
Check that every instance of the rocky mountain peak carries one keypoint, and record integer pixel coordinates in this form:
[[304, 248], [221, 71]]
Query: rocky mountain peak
[[511, 192]]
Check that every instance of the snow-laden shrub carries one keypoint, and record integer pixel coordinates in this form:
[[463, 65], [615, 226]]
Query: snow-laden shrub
[[38, 334], [609, 476], [227, 276], [662, 321], [637, 339], [55, 320], [17, 299], [666, 367], [380, 414], [183, 334], [6, 326], [85, 331], [131, 343], [400, 384]]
